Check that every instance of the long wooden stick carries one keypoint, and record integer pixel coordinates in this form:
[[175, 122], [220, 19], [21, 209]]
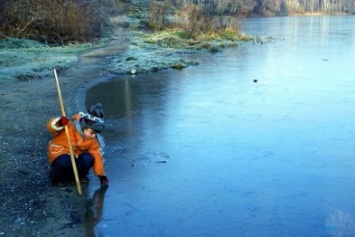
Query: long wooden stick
[[67, 134]]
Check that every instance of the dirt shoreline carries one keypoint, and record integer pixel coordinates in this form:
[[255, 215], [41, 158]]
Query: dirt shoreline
[[30, 206]]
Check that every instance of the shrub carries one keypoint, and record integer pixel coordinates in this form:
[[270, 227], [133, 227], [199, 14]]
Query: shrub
[[191, 20], [158, 12], [52, 21]]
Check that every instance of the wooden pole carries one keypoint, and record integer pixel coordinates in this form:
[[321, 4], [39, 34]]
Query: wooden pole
[[67, 134]]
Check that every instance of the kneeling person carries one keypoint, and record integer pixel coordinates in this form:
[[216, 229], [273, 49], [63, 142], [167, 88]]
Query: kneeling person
[[83, 128]]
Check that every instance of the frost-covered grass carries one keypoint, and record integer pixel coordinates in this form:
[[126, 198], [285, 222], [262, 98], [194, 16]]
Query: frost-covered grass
[[138, 60], [22, 59], [143, 57], [25, 60], [150, 52]]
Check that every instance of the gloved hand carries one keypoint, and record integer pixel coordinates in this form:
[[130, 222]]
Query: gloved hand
[[103, 180], [63, 121]]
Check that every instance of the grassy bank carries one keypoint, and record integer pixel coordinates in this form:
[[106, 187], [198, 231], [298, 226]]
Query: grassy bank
[[23, 60], [151, 52]]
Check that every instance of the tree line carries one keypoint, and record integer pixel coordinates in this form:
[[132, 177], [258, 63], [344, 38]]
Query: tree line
[[196, 16], [287, 7], [274, 7], [66, 21]]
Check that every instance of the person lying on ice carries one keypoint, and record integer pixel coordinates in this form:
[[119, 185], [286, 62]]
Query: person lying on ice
[[83, 128]]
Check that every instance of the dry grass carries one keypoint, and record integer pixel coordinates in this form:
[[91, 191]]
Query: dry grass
[[52, 21], [158, 14], [195, 21]]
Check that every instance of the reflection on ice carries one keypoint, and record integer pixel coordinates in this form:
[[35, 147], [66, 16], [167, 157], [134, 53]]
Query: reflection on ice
[[94, 209]]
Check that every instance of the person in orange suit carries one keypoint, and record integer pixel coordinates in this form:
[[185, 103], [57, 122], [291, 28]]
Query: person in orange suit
[[83, 129]]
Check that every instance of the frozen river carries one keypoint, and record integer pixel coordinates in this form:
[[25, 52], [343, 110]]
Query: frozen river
[[207, 151]]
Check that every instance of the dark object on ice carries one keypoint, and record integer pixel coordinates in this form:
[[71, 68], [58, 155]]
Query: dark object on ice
[[255, 80]]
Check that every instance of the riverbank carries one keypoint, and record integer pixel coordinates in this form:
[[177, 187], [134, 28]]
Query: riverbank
[[29, 98], [32, 206]]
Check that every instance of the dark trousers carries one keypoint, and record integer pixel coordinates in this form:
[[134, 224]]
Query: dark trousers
[[62, 170]]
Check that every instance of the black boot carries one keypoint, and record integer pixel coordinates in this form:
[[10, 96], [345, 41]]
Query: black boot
[[55, 181]]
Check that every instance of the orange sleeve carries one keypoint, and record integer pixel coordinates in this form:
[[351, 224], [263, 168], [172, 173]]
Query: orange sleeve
[[98, 166]]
